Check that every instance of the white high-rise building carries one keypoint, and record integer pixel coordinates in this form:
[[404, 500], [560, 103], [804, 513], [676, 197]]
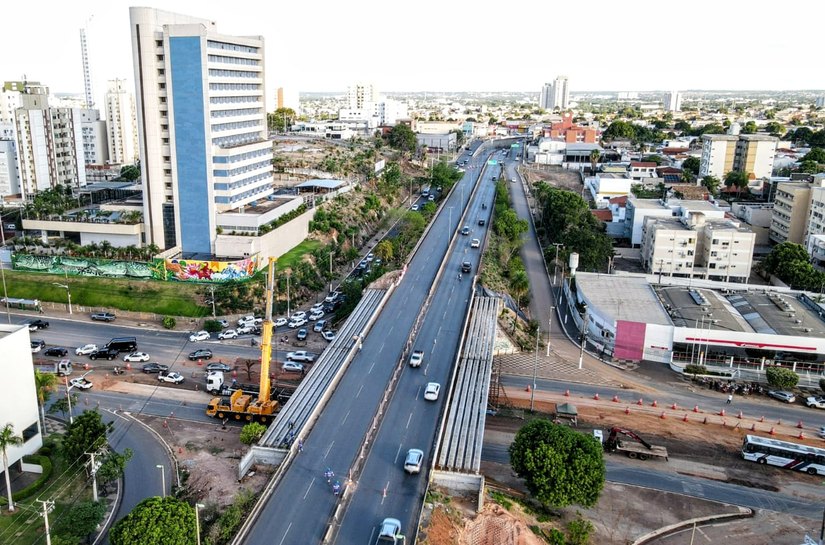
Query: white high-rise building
[[201, 125], [362, 96], [749, 153], [555, 95], [121, 123], [95, 140], [673, 101], [9, 178]]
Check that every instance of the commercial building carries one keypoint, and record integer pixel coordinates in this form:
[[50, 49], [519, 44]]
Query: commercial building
[[605, 186], [555, 95], [637, 210], [121, 123], [18, 404], [201, 125], [673, 101], [789, 219], [567, 131], [749, 153]]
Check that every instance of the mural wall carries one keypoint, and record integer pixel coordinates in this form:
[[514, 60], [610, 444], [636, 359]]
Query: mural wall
[[184, 270]]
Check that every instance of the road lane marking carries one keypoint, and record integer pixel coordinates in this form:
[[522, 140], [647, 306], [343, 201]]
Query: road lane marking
[[285, 533], [329, 448], [309, 487], [386, 492], [417, 393], [359, 391], [409, 420], [345, 418], [371, 366], [397, 452]]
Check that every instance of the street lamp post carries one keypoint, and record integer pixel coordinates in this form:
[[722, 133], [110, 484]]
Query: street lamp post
[[535, 370], [330, 270], [583, 337], [287, 296], [68, 293], [556, 262], [549, 327], [162, 478], [450, 226], [3, 269], [198, 506]]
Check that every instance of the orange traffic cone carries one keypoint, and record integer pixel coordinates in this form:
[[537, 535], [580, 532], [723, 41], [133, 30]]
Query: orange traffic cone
[[596, 397], [640, 402], [685, 419], [800, 426], [615, 399], [567, 393], [654, 404], [696, 408], [772, 432], [662, 416], [627, 410]]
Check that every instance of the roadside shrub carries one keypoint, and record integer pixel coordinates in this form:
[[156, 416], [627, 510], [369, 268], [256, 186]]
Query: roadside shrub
[[212, 326], [44, 462], [169, 322], [693, 369], [251, 432], [782, 378], [578, 531]]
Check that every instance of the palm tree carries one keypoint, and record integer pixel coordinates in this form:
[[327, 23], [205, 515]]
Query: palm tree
[[44, 383], [594, 160], [8, 439]]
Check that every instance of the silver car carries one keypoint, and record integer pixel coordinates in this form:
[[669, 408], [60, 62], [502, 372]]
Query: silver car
[[412, 463], [782, 395]]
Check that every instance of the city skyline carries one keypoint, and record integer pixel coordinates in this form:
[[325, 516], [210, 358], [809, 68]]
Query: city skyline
[[442, 47]]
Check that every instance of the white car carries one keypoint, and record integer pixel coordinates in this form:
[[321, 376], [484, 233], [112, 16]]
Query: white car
[[297, 323], [316, 307], [250, 321], [412, 463], [316, 315], [244, 330], [136, 356], [281, 322], [414, 208], [300, 315], [475, 243], [416, 358], [174, 378], [328, 335], [319, 326], [199, 336], [292, 366], [223, 323], [228, 334], [300, 355], [815, 401], [332, 297], [85, 350], [81, 382], [431, 391]]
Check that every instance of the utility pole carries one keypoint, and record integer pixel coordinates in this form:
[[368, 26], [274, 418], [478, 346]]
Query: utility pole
[[535, 370], [287, 296], [47, 508], [556, 262], [94, 476], [212, 290], [330, 270], [3, 268], [549, 327], [69, 399]]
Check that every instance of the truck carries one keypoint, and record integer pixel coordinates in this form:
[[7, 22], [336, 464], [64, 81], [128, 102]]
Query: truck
[[639, 448], [216, 384], [240, 405], [60, 368]]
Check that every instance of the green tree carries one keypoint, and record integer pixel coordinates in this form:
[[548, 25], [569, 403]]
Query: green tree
[[44, 384], [620, 130], [781, 378], [87, 433], [392, 174], [80, 520], [712, 183], [519, 286], [749, 128], [62, 405], [281, 119], [251, 433], [156, 521], [817, 155], [384, 250], [169, 322], [737, 179], [653, 159], [774, 128], [402, 138], [8, 439], [691, 165], [808, 167], [682, 126], [560, 466], [112, 468], [130, 172], [459, 137], [784, 254], [594, 159]]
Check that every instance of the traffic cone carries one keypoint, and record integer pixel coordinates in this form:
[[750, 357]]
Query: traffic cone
[[685, 419], [596, 397], [654, 404], [662, 416], [722, 412], [739, 416], [86, 366], [200, 362], [615, 399], [800, 436], [128, 366], [696, 408], [567, 393], [640, 402], [772, 432], [627, 410], [527, 389], [800, 426], [753, 427], [761, 418], [673, 406], [705, 421]]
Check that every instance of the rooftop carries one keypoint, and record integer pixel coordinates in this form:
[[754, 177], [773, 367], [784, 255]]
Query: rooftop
[[322, 184], [623, 297]]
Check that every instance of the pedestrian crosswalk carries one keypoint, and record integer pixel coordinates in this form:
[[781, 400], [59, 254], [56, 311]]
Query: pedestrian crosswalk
[[552, 367]]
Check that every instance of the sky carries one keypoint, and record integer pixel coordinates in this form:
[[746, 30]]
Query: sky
[[449, 45]]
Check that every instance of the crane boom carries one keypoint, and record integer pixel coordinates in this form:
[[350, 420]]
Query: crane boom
[[266, 335]]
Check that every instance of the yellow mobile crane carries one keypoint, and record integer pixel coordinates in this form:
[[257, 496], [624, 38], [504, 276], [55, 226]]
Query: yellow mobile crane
[[242, 406]]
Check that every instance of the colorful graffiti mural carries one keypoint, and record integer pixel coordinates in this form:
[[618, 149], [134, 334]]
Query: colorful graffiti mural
[[185, 270], [193, 270]]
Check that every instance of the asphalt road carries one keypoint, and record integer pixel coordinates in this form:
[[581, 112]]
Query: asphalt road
[[300, 509], [383, 488]]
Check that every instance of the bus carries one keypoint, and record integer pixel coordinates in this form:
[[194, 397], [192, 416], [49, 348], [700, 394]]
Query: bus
[[764, 450]]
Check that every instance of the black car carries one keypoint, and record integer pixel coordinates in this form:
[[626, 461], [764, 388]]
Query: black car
[[155, 367], [56, 352], [103, 317], [34, 325], [104, 353], [218, 366], [200, 354], [481, 222]]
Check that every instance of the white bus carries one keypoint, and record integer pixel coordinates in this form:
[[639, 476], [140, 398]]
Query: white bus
[[764, 450]]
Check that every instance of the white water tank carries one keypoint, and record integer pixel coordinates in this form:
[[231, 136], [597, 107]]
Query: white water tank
[[573, 263]]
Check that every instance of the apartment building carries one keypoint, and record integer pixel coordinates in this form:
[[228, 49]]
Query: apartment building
[[362, 95], [673, 101], [567, 131], [9, 178], [121, 123], [555, 95], [637, 210], [750, 153], [694, 246], [792, 201], [816, 215], [94, 138], [201, 125]]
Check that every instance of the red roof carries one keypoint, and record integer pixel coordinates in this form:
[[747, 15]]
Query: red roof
[[643, 164], [669, 170], [603, 214], [621, 201]]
